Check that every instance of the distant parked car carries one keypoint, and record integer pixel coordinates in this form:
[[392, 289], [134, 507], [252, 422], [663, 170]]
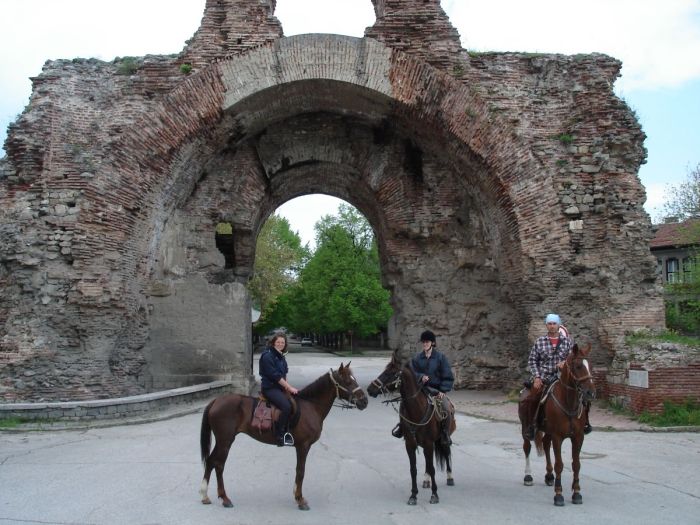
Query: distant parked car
[[305, 341]]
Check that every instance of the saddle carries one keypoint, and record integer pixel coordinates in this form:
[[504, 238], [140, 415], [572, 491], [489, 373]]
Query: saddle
[[433, 400], [265, 414]]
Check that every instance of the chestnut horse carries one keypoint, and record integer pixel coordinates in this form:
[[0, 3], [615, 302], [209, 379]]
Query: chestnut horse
[[419, 421], [563, 415], [228, 415]]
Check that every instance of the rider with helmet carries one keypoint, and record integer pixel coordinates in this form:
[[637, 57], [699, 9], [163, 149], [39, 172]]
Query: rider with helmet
[[433, 370]]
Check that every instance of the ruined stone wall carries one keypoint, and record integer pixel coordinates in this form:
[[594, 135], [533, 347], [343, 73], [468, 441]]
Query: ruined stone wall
[[500, 186], [589, 146], [645, 374]]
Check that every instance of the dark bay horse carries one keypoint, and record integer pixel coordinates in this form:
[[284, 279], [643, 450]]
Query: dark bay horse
[[231, 414], [419, 421], [563, 416]]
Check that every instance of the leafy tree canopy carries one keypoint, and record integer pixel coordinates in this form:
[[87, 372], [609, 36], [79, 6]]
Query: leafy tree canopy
[[279, 257], [339, 289]]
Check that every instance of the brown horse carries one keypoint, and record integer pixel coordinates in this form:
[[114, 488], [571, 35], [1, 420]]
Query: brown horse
[[231, 414], [419, 421], [563, 416]]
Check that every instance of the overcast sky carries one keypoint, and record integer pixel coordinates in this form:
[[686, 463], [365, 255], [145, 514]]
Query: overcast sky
[[657, 40]]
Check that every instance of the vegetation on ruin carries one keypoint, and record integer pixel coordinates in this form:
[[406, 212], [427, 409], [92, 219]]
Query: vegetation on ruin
[[127, 66], [186, 68], [565, 138], [665, 336]]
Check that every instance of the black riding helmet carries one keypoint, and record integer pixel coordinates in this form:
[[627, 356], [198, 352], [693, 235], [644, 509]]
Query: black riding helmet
[[427, 336]]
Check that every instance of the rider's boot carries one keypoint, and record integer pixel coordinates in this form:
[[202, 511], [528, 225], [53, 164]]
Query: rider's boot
[[397, 432]]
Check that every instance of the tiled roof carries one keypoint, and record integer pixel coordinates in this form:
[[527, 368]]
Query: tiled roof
[[676, 234]]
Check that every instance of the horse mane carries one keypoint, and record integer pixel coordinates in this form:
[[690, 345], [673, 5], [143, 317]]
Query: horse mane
[[315, 389]]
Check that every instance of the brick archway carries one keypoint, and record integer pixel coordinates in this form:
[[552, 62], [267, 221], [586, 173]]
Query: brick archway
[[471, 210], [343, 116]]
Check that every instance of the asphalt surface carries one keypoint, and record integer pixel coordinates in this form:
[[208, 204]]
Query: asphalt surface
[[150, 473]]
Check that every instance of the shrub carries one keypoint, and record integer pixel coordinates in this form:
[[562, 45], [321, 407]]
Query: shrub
[[674, 415]]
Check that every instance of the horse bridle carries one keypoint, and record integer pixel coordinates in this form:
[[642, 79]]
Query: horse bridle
[[387, 387], [350, 402], [579, 391]]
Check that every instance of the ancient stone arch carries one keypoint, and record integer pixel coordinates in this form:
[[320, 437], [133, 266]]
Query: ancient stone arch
[[500, 187]]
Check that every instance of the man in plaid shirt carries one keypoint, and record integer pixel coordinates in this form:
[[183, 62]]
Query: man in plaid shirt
[[546, 358]]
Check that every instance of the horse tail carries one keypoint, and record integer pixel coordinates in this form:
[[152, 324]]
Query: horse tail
[[538, 443], [205, 434], [442, 454]]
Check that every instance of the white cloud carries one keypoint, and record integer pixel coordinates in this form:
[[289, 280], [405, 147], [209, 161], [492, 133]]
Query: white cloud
[[303, 212], [658, 42]]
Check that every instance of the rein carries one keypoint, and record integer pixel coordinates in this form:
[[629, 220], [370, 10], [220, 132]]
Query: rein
[[578, 410], [429, 413]]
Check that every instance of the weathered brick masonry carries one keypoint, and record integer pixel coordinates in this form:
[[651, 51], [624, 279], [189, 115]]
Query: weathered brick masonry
[[500, 186], [643, 376]]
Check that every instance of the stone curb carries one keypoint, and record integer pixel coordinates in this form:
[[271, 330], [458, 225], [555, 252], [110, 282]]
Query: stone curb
[[109, 412]]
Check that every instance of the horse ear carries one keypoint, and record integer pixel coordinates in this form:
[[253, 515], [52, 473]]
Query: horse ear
[[341, 367], [586, 349], [348, 365], [574, 349]]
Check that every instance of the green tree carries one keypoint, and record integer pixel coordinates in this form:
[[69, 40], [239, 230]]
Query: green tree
[[279, 257], [683, 298], [340, 288], [683, 201]]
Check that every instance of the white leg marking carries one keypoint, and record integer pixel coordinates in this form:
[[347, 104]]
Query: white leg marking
[[527, 465], [203, 488]]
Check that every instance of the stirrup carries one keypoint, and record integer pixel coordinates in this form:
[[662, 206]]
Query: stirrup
[[397, 432], [587, 428], [288, 439]]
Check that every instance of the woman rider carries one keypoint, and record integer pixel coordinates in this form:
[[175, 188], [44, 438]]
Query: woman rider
[[273, 378]]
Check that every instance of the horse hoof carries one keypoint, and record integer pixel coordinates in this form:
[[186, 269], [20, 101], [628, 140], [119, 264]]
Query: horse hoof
[[577, 499], [411, 500], [426, 484], [528, 481], [450, 482], [303, 506], [549, 480], [559, 500], [227, 504], [434, 499]]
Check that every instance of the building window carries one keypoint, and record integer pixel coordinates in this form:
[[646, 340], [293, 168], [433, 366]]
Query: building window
[[672, 271], [688, 263]]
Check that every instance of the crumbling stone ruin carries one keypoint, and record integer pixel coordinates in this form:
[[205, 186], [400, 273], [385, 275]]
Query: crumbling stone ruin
[[501, 186]]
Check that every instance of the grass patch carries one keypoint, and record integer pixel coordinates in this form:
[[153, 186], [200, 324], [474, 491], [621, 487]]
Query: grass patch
[[666, 336], [11, 422], [618, 408], [674, 415]]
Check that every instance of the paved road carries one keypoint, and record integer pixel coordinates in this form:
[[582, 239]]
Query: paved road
[[356, 474]]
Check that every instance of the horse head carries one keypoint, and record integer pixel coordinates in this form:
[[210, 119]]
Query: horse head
[[577, 372], [347, 387], [388, 380]]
